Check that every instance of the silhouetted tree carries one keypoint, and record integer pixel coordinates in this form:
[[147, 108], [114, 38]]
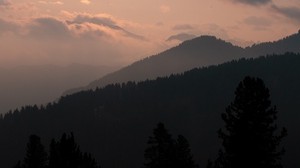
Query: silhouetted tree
[[184, 158], [36, 157], [164, 152], [63, 154], [18, 165], [250, 139], [66, 154], [160, 153]]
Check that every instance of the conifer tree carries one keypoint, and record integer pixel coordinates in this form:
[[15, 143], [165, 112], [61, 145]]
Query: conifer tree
[[184, 158], [164, 152], [36, 156], [250, 138], [160, 153]]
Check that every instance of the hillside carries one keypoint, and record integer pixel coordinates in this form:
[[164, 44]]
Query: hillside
[[198, 52], [40, 84], [114, 122]]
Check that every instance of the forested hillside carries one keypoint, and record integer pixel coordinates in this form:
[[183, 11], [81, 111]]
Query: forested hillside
[[198, 52], [114, 122]]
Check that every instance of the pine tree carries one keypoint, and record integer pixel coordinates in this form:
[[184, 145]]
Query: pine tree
[[184, 158], [66, 154], [18, 165], [164, 152], [36, 156], [160, 153], [250, 139]]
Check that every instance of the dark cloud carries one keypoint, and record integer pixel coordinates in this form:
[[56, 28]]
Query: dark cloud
[[103, 21], [289, 12], [183, 27], [257, 21], [181, 37], [253, 2], [49, 28], [6, 26], [5, 3]]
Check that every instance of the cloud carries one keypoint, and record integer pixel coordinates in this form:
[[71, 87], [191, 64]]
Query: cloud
[[292, 13], [165, 9], [49, 28], [259, 23], [86, 2], [6, 26], [85, 38], [51, 2], [181, 37], [183, 27], [103, 21], [253, 2], [5, 4]]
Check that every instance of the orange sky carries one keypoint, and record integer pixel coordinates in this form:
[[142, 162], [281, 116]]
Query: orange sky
[[118, 32]]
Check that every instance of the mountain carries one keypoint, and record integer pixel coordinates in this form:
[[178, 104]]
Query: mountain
[[40, 84], [198, 52], [114, 122]]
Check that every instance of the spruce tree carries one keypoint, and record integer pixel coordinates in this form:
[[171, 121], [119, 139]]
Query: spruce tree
[[184, 158], [160, 153], [36, 156], [164, 152], [251, 138]]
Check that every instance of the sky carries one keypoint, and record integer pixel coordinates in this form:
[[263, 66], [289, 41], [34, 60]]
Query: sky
[[118, 32]]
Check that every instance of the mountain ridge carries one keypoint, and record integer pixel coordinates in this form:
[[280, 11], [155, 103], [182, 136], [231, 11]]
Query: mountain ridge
[[201, 51], [114, 122]]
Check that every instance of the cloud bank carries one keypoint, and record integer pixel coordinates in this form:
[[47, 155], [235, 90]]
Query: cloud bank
[[292, 13], [86, 2], [253, 2], [181, 37], [83, 38]]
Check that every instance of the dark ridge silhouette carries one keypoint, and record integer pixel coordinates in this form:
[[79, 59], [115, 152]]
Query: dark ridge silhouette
[[114, 122], [198, 52]]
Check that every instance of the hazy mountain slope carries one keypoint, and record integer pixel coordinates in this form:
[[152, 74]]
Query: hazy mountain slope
[[114, 123], [201, 51], [198, 52], [40, 84], [290, 43]]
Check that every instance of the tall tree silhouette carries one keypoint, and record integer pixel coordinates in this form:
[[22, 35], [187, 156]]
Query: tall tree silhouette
[[66, 154], [36, 156], [160, 153], [184, 158], [164, 152], [250, 139]]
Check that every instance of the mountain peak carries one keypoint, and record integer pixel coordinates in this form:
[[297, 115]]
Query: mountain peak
[[201, 51]]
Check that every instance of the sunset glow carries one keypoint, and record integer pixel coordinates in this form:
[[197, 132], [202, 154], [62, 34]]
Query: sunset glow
[[118, 32]]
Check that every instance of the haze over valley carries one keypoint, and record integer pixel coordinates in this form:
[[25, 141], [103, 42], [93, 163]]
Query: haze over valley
[[149, 84]]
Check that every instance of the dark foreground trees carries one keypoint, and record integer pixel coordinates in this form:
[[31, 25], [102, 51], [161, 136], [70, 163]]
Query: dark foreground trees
[[250, 138], [64, 153], [164, 152], [36, 156]]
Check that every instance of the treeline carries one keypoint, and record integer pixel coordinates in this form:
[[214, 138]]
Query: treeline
[[64, 153], [250, 139], [113, 122]]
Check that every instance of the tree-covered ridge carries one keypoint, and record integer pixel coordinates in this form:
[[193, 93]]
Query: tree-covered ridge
[[194, 53], [113, 122]]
